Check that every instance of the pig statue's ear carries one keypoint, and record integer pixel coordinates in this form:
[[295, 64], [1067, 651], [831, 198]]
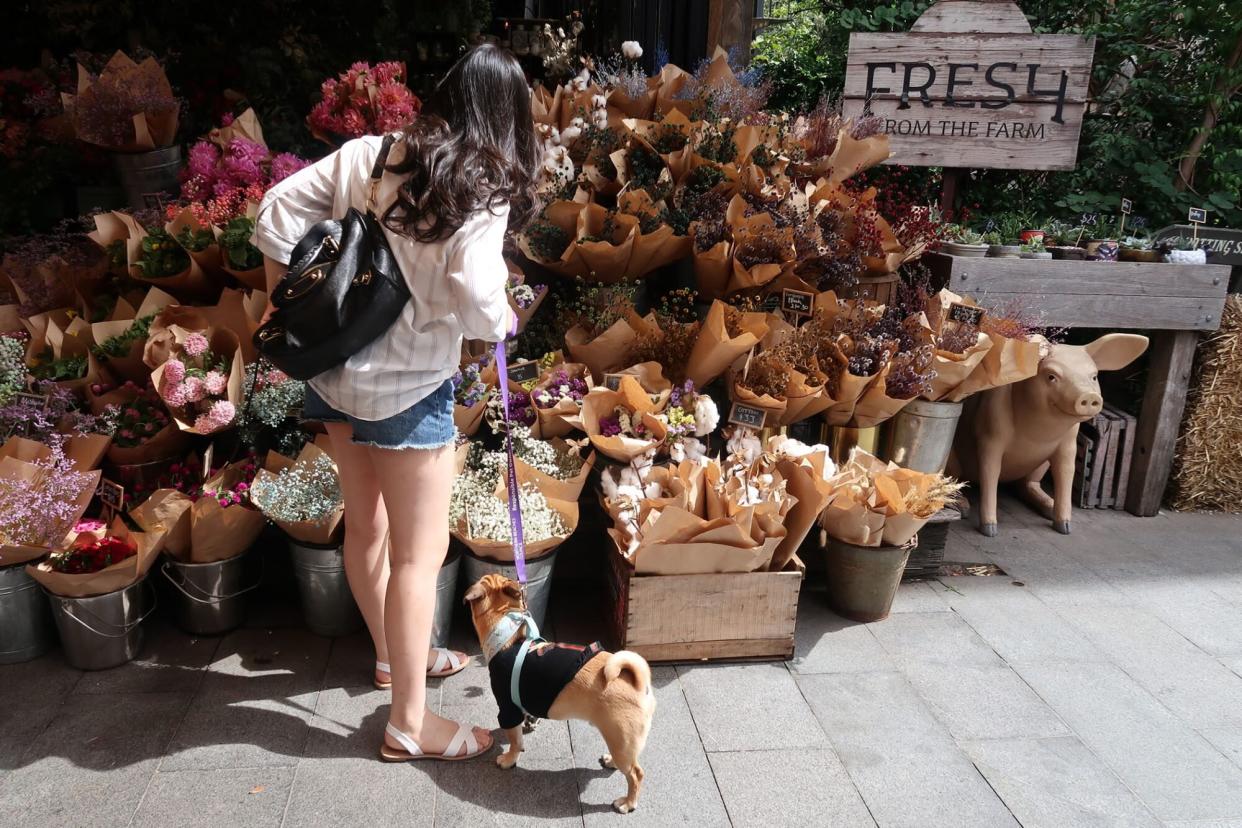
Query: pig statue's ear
[[1116, 350]]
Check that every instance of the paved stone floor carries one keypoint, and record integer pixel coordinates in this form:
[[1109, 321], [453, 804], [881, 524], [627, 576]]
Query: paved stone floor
[[1098, 683]]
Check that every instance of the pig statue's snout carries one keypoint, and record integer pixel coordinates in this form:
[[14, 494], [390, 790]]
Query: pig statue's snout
[[1088, 404]]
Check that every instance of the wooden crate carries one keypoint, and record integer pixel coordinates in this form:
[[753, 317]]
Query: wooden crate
[[1102, 468], [714, 617]]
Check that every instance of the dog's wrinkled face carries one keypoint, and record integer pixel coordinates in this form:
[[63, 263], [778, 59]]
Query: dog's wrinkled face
[[490, 599]]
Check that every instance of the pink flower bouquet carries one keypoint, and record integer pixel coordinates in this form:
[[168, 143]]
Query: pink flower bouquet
[[364, 100], [201, 380]]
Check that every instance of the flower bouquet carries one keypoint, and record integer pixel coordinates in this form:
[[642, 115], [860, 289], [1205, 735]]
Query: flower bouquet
[[99, 561], [145, 431], [302, 496], [59, 348], [231, 170], [623, 424], [688, 416], [877, 502], [119, 342], [597, 331], [130, 107], [210, 521], [524, 299], [473, 386], [153, 256], [363, 100], [726, 334], [201, 380], [557, 398], [42, 273], [239, 258], [1013, 353], [195, 235], [808, 473], [40, 501]]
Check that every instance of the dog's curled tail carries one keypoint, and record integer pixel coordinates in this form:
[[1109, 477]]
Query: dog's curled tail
[[639, 671]]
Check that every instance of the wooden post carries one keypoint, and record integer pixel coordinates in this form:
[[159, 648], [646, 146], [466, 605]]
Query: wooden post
[[1168, 377], [730, 23], [950, 179]]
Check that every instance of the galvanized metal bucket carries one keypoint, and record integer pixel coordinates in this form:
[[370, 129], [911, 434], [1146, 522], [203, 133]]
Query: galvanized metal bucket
[[147, 176], [446, 600], [328, 606], [920, 436], [209, 598], [863, 580], [104, 630], [26, 628], [538, 579]]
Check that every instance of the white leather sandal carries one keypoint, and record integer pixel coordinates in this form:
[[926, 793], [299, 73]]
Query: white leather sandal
[[409, 750], [446, 663]]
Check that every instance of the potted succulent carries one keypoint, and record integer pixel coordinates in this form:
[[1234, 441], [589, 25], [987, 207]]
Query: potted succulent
[[1104, 249], [1186, 250], [1138, 249], [962, 241], [1001, 247], [1033, 248], [1067, 238]]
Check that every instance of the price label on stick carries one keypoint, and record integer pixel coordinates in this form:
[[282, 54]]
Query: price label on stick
[[1197, 215], [523, 372], [39, 401], [112, 496], [797, 303], [1090, 219], [1127, 206], [966, 314], [613, 381], [208, 456], [747, 416]]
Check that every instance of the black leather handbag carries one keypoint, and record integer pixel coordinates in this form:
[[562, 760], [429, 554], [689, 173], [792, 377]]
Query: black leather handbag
[[343, 290]]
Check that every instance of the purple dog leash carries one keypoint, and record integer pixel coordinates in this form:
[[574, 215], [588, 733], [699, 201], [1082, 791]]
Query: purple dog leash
[[515, 505]]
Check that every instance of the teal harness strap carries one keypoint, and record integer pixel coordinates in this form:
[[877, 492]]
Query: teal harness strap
[[532, 637]]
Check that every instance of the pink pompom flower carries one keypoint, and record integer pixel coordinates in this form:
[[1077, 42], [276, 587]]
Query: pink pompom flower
[[174, 371], [216, 382], [195, 344]]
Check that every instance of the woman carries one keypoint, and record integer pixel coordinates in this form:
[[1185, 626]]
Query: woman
[[454, 180]]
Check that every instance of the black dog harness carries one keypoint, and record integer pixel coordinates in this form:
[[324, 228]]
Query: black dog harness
[[544, 673]]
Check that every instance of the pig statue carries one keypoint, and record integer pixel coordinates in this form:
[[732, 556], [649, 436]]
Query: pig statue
[[1016, 432]]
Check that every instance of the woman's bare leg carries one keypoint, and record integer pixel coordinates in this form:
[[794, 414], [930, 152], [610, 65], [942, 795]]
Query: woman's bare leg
[[366, 533], [416, 485]]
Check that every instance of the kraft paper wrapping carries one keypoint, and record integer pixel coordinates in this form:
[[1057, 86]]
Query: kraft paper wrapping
[[191, 283], [563, 214], [64, 334], [235, 311], [517, 277], [804, 480], [656, 249], [714, 350], [621, 160], [326, 532], [576, 104], [952, 370], [130, 366], [678, 162], [1007, 361], [672, 79], [545, 105], [554, 488], [849, 157], [210, 258], [168, 511], [681, 485], [245, 125], [630, 396], [502, 551], [622, 107], [256, 277], [109, 579], [875, 405], [601, 184], [676, 542], [802, 401], [14, 469], [217, 532], [122, 79], [892, 252], [561, 418], [774, 407], [758, 275], [712, 267], [220, 342], [869, 507], [606, 352], [165, 444], [84, 451], [606, 261]]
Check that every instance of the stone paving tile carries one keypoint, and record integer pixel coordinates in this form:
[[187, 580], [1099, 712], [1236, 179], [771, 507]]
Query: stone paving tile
[[749, 707], [827, 643], [792, 788], [918, 596], [1209, 823], [941, 637], [1016, 624], [358, 791], [248, 796], [92, 763], [31, 694], [982, 702], [349, 722], [904, 763], [351, 661], [257, 726], [170, 662], [291, 659], [1170, 767], [1192, 684], [1228, 740], [679, 787], [1051, 783], [1196, 612]]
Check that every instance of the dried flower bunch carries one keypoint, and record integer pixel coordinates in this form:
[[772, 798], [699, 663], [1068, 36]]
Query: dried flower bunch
[[39, 509], [469, 388], [561, 385], [272, 395], [12, 368], [305, 492], [596, 308]]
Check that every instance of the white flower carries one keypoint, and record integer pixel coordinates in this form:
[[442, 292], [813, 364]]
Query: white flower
[[706, 415], [571, 134], [582, 81], [632, 50]]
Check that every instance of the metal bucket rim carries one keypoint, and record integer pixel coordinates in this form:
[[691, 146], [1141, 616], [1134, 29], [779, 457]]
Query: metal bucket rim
[[63, 603], [168, 559], [210, 598]]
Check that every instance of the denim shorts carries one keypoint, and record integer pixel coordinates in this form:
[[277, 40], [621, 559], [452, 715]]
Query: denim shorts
[[427, 424]]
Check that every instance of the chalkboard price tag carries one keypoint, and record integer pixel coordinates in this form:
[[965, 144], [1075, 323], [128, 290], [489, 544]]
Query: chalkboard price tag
[[523, 372], [797, 302], [990, 226], [40, 401], [1090, 219], [111, 495], [1127, 206], [747, 416], [1197, 215], [613, 381], [1140, 222], [966, 314]]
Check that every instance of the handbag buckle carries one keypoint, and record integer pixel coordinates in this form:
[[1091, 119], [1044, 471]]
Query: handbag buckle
[[307, 282], [268, 334], [363, 278], [330, 243]]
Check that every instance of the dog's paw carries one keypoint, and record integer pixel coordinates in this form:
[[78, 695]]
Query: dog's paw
[[605, 761], [506, 760], [622, 806]]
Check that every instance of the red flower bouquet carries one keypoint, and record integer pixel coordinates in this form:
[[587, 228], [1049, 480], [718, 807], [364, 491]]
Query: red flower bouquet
[[365, 100], [93, 555]]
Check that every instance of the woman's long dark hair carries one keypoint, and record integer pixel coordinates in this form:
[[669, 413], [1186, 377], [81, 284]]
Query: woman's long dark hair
[[472, 147]]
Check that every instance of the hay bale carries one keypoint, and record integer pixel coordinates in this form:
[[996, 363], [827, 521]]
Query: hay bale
[[1207, 473]]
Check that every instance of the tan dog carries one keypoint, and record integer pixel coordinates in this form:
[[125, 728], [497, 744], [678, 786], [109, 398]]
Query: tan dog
[[610, 690]]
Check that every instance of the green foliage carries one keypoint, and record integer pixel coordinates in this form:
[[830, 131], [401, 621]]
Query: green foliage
[[1158, 67]]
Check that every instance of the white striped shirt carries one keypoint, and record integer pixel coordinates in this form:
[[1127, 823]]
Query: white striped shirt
[[457, 285]]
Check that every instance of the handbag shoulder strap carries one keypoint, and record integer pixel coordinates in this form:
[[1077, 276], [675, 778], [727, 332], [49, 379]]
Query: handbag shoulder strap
[[377, 172]]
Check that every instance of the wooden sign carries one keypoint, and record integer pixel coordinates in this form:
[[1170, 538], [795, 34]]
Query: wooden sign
[[747, 416], [1223, 245], [1197, 215], [971, 86], [966, 314], [613, 381], [1127, 206], [521, 372], [797, 302]]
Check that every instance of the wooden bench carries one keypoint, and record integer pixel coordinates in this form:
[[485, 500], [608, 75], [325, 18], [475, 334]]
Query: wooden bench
[[1174, 302]]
